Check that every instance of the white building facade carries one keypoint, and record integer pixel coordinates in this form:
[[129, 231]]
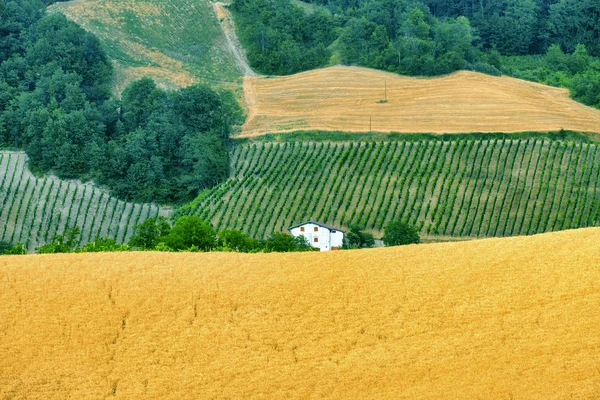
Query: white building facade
[[320, 236]]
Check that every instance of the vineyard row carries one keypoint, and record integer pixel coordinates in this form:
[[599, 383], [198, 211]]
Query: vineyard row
[[461, 188], [34, 210]]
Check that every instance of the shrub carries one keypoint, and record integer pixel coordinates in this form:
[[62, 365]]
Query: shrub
[[148, 234], [8, 249], [398, 233], [4, 247], [235, 240], [63, 243], [191, 231], [103, 245], [357, 239], [484, 68], [283, 243]]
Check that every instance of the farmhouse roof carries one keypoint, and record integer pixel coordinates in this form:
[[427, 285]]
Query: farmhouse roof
[[331, 228]]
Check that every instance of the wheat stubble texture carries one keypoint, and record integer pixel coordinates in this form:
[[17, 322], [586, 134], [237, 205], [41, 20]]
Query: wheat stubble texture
[[346, 99], [498, 318]]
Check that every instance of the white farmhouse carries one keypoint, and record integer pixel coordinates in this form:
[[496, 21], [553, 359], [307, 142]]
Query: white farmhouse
[[319, 235]]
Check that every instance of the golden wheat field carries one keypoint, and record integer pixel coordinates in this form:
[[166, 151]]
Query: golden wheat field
[[512, 318], [346, 99]]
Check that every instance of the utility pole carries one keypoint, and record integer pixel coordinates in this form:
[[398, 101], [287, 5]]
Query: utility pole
[[385, 90]]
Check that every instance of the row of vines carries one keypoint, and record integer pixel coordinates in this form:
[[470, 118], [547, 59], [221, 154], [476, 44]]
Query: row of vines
[[34, 210], [459, 188]]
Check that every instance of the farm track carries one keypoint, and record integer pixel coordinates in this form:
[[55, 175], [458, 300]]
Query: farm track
[[461, 188], [233, 43], [347, 99], [33, 210]]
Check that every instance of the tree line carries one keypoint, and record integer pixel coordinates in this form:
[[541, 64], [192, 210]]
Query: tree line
[[56, 103], [514, 27], [531, 39], [191, 233]]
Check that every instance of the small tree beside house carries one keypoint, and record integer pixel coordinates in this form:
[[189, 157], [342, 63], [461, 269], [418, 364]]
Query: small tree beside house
[[358, 239]]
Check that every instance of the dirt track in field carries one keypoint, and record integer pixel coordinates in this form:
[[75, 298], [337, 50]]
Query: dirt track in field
[[346, 99], [233, 43]]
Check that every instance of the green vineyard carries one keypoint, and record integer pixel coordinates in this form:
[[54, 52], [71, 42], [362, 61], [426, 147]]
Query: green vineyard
[[462, 188], [33, 210]]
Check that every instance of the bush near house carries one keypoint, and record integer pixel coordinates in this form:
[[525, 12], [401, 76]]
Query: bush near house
[[399, 232]]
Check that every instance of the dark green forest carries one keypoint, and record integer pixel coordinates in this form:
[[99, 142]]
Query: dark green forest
[[56, 103], [556, 42]]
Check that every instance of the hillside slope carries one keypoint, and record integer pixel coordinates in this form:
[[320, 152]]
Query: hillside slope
[[176, 42], [450, 189], [346, 99], [233, 43], [33, 210], [500, 318]]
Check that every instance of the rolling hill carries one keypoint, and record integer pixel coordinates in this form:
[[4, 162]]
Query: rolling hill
[[33, 210], [176, 42], [180, 42], [499, 318], [347, 99], [478, 188], [459, 188]]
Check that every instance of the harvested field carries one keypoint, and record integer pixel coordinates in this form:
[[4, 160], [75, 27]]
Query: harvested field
[[346, 99], [495, 319]]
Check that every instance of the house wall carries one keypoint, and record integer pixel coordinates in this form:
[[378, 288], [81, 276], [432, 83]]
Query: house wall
[[337, 239], [326, 240]]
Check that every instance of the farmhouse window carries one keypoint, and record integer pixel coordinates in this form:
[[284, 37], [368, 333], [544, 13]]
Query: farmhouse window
[[301, 229], [316, 240], [316, 229]]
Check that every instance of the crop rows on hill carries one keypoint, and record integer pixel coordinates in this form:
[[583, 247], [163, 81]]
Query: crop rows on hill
[[33, 210], [456, 188]]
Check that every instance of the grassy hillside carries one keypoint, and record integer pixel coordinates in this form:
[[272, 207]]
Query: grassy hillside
[[33, 210], [348, 99], [176, 42], [501, 318], [449, 188]]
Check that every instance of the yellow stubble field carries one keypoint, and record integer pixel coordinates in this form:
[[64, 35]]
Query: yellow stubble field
[[347, 99], [513, 318]]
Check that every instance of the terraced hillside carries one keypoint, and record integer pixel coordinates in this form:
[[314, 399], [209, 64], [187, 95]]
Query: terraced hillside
[[348, 99], [459, 188], [176, 42], [33, 210], [489, 319]]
